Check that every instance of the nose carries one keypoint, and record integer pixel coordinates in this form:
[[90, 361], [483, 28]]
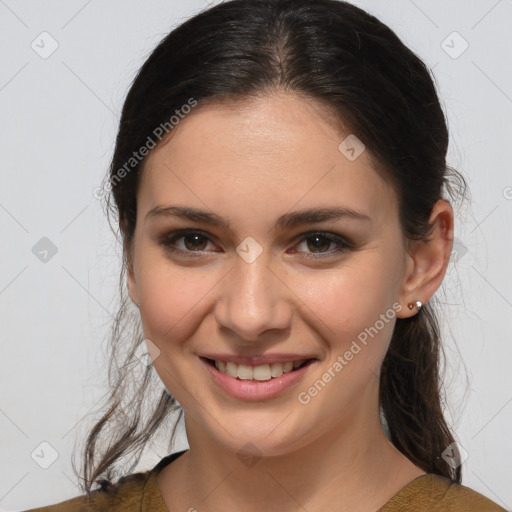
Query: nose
[[253, 301]]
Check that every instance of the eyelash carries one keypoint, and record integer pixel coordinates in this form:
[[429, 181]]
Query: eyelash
[[170, 239]]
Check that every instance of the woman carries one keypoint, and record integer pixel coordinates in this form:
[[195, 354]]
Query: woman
[[280, 184]]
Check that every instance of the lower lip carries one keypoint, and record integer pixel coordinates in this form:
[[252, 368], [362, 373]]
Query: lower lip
[[255, 389]]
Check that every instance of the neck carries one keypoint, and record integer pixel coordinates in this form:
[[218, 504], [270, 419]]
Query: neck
[[359, 470]]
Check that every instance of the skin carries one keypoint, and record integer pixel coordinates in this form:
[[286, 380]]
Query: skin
[[251, 162]]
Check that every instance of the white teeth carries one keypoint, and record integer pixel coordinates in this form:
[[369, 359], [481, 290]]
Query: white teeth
[[261, 372], [244, 372], [231, 369], [276, 369], [288, 366]]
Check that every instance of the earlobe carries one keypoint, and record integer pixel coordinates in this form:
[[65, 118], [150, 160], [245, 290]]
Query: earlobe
[[428, 260]]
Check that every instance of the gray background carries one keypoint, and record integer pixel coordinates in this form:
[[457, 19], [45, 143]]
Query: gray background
[[59, 115]]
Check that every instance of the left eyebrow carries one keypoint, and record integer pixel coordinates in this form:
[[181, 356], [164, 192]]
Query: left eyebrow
[[314, 215], [288, 220]]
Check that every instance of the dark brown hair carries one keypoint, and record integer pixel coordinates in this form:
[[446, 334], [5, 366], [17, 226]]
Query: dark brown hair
[[331, 52]]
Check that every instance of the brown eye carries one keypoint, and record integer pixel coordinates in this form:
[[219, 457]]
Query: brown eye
[[318, 243], [195, 242], [187, 242], [322, 245]]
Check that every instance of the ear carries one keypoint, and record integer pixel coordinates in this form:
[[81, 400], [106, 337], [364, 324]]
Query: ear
[[132, 284], [130, 274], [427, 260]]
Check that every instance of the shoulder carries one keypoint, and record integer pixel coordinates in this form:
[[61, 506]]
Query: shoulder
[[126, 496], [439, 494], [132, 493], [460, 497]]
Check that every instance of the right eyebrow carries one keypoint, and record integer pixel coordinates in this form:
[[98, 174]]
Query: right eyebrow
[[193, 214]]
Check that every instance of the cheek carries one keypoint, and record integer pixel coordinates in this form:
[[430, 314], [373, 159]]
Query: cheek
[[351, 307], [172, 298]]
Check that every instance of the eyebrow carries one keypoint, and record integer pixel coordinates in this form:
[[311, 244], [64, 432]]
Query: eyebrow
[[288, 220]]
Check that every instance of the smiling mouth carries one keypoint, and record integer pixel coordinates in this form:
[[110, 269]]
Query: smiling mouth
[[261, 372]]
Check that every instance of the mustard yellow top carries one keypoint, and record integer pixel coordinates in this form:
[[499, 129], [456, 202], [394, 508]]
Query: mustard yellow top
[[139, 492]]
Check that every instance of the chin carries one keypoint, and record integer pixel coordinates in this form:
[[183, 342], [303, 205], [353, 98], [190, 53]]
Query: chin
[[262, 439], [257, 448]]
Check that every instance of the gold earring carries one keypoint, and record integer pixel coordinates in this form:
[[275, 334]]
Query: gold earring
[[418, 305]]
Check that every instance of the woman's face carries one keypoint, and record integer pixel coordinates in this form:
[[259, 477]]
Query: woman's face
[[269, 269]]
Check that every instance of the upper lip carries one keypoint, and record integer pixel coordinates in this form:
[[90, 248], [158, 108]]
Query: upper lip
[[257, 360]]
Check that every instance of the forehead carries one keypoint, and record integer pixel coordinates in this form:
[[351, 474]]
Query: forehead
[[242, 153]]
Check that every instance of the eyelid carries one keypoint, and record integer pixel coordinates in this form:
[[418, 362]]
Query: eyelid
[[343, 244], [168, 239]]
